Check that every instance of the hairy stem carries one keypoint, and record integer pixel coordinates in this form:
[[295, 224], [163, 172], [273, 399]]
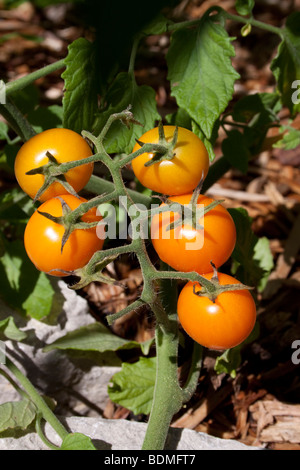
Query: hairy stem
[[97, 185], [167, 399], [22, 82], [16, 120], [36, 398], [194, 372], [222, 13]]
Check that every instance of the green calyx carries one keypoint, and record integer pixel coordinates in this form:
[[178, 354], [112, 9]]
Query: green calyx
[[193, 212], [93, 272], [68, 221], [212, 288], [164, 150], [52, 172]]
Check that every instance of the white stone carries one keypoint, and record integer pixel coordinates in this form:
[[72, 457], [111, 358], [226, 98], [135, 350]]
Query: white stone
[[78, 385], [122, 435]]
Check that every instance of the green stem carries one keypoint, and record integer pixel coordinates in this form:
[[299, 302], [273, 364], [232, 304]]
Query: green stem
[[188, 276], [216, 171], [130, 308], [14, 384], [167, 398], [16, 120], [253, 22], [98, 185], [40, 433], [22, 82], [133, 54], [228, 16], [194, 372], [36, 398]]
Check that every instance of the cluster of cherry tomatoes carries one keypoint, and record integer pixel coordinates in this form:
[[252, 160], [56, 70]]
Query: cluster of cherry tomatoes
[[43, 236], [220, 323]]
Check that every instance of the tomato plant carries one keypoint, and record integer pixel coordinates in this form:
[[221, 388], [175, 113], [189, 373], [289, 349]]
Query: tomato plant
[[176, 173], [188, 248], [64, 145], [220, 324], [43, 238]]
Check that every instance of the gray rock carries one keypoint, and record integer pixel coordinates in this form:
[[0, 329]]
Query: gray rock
[[122, 435], [78, 385]]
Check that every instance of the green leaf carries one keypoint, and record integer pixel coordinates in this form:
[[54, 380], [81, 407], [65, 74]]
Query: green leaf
[[39, 302], [231, 359], [264, 105], [179, 118], [244, 7], [209, 143], [10, 198], [9, 330], [133, 386], [157, 25], [26, 99], [16, 208], [125, 92], [200, 71], [286, 65], [228, 362], [263, 258], [235, 150], [16, 415], [80, 98], [290, 140], [43, 118], [96, 337], [4, 131], [23, 287], [77, 441], [260, 112], [252, 256], [8, 155]]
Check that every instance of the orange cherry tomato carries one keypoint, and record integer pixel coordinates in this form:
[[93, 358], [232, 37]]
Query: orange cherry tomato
[[65, 145], [43, 239], [219, 325], [179, 175], [185, 248]]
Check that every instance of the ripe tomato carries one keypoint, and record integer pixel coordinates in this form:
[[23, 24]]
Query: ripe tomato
[[65, 145], [218, 325], [43, 239], [179, 175], [185, 248]]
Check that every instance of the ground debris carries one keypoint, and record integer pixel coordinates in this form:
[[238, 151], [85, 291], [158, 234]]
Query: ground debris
[[276, 421]]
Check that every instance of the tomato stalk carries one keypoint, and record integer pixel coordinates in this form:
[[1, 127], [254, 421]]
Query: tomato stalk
[[168, 396], [17, 121], [23, 82], [41, 405]]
